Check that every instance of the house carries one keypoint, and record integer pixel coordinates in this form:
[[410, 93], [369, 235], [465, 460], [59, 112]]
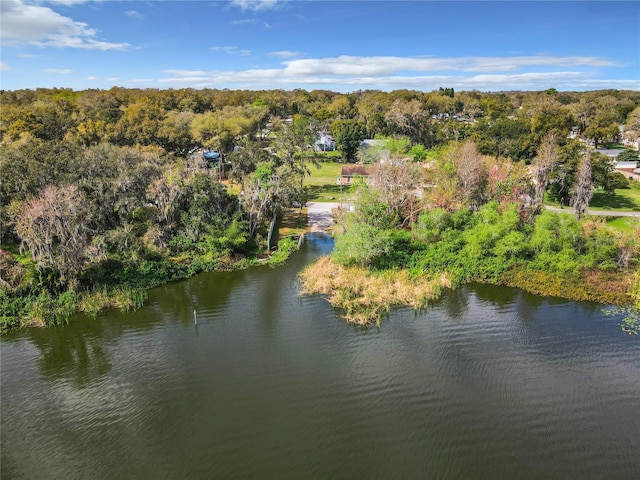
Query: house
[[324, 143], [211, 156], [349, 172], [629, 169]]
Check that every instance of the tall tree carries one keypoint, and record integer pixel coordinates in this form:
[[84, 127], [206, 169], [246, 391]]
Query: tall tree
[[470, 172], [412, 119], [546, 159], [583, 190]]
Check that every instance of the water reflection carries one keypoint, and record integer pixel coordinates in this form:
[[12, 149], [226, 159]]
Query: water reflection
[[455, 303], [72, 353]]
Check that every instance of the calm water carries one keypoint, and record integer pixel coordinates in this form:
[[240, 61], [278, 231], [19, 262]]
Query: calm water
[[490, 383]]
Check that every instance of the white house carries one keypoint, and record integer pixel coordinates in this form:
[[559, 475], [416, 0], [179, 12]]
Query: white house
[[324, 143]]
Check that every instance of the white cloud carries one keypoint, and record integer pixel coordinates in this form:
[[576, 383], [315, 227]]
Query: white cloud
[[422, 73], [185, 73], [232, 50], [250, 21], [43, 27], [351, 65], [285, 54], [58, 71], [245, 21], [92, 78], [4, 67], [256, 5], [134, 14], [68, 2]]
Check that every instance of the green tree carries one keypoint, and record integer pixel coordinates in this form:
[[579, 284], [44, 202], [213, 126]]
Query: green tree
[[139, 124], [268, 190], [245, 159], [175, 133], [348, 134], [628, 156], [410, 118], [503, 137]]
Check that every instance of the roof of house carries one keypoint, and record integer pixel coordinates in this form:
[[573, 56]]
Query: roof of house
[[613, 153], [624, 165], [350, 170]]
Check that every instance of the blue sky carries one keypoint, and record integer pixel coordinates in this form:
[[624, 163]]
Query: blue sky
[[341, 45]]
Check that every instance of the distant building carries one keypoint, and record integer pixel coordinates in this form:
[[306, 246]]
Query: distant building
[[349, 172], [324, 143], [628, 169], [211, 156]]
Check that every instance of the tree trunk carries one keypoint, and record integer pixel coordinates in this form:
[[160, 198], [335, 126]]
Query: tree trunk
[[584, 187]]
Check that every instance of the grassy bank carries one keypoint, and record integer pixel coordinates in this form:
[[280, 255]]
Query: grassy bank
[[364, 296], [623, 199]]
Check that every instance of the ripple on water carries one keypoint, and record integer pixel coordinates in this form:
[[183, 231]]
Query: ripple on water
[[485, 384]]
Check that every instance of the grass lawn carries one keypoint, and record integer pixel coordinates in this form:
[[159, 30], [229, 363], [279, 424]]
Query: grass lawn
[[294, 222], [623, 224], [326, 173], [623, 199], [322, 184]]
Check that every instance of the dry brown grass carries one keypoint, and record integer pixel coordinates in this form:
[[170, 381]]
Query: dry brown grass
[[364, 296]]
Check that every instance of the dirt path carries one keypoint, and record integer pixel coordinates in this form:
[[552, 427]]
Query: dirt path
[[605, 213], [319, 215]]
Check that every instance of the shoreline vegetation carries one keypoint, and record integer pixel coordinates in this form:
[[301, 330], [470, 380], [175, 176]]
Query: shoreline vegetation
[[376, 267], [364, 297], [44, 308]]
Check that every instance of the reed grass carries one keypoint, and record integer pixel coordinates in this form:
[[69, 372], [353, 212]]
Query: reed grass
[[364, 296]]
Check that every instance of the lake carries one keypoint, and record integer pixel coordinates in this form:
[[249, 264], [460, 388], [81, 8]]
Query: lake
[[489, 383]]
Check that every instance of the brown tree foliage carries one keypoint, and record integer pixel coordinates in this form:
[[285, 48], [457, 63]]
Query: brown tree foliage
[[546, 159], [471, 173], [53, 226], [396, 181]]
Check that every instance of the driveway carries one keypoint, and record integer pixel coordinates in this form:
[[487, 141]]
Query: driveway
[[319, 215], [604, 213]]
